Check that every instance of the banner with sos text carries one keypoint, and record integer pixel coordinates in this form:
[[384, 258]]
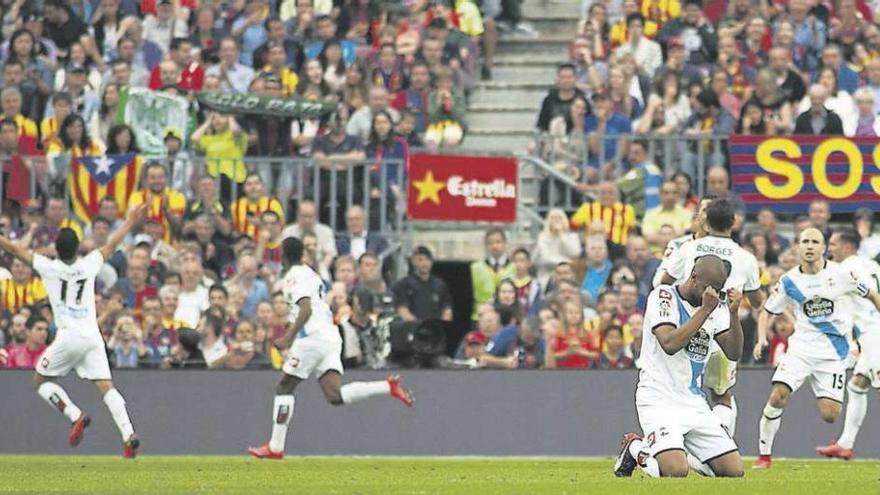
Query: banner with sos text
[[462, 188], [787, 173]]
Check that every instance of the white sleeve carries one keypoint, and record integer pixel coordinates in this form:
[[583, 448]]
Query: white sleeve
[[298, 289], [777, 301], [42, 265], [676, 262], [93, 262], [722, 324], [753, 277], [854, 285], [664, 264], [662, 308]]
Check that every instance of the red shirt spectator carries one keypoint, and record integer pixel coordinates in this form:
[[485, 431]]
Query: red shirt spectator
[[24, 355]]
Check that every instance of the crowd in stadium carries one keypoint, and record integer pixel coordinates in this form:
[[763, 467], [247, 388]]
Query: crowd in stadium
[[196, 285]]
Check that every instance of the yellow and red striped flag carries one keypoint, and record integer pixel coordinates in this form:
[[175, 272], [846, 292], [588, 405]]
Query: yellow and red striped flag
[[94, 177]]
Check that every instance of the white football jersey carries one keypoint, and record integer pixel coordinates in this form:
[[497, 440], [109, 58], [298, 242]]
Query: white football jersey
[[671, 247], [744, 275], [678, 377], [302, 282], [71, 290], [823, 309], [866, 318]]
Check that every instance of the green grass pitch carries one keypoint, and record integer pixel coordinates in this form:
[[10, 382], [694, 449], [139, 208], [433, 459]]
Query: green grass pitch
[[416, 475]]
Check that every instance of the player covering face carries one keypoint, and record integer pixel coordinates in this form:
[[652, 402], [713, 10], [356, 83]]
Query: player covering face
[[680, 429], [316, 349], [822, 295]]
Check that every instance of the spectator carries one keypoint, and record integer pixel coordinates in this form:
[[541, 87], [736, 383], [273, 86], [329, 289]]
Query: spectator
[[701, 40], [752, 46], [667, 109], [810, 34], [268, 250], [516, 347], [446, 112], [127, 343], [872, 81], [326, 30], [868, 124], [782, 329], [190, 74], [29, 337], [219, 258], [820, 216], [644, 263], [788, 80], [488, 326], [598, 267], [166, 205], [627, 302], [604, 128], [528, 289], [336, 152], [369, 276], [767, 225], [558, 100], [390, 156], [21, 287], [157, 339], [614, 355], [187, 353], [243, 350], [421, 295], [686, 196], [507, 303], [718, 186], [415, 97], [758, 244], [246, 279], [246, 212], [634, 349], [578, 344], [837, 100], [211, 341], [709, 119], [863, 222], [357, 240], [356, 89], [487, 273], [234, 77], [647, 52], [134, 286], [668, 212], [818, 120], [207, 203], [641, 185], [556, 244], [62, 105], [678, 64], [64, 28], [193, 296], [224, 143], [307, 222], [617, 217]]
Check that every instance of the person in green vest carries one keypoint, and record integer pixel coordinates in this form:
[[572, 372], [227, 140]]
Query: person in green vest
[[487, 273]]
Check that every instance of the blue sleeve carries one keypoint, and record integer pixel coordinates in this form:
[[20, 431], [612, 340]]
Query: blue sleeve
[[502, 342]]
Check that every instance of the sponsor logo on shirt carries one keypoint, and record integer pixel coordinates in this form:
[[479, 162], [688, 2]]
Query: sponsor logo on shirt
[[698, 347], [818, 307]]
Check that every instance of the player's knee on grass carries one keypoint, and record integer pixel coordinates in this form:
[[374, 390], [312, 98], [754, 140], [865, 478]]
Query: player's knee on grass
[[829, 410], [860, 382], [728, 466], [779, 396], [673, 464]]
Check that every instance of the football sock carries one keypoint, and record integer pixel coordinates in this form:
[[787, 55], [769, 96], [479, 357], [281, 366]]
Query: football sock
[[56, 397], [770, 422], [358, 391], [856, 408], [650, 467], [116, 405], [727, 416], [635, 448], [282, 411], [699, 467]]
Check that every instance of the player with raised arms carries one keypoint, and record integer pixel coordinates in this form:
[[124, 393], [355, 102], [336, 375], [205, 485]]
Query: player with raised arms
[[821, 293], [78, 344], [681, 432], [316, 349], [843, 247], [744, 277]]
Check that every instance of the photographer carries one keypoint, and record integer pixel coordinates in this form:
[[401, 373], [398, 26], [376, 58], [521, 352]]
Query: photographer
[[127, 343]]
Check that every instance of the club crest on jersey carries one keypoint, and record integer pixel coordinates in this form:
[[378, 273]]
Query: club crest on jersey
[[664, 300], [698, 347], [818, 307]]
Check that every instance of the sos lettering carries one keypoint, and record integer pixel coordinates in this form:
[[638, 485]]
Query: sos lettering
[[786, 149]]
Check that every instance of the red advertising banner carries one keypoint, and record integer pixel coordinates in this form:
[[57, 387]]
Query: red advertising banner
[[462, 188]]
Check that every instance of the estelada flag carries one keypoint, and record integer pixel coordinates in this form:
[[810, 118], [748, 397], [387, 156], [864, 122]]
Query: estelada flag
[[94, 177]]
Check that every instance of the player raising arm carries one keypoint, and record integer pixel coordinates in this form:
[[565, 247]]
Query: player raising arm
[[821, 292], [78, 344], [680, 430]]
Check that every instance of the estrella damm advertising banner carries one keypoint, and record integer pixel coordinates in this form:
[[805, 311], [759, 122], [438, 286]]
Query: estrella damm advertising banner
[[462, 188], [786, 173]]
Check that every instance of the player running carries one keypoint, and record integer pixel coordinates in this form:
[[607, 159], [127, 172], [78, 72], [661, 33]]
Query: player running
[[78, 344], [843, 247], [680, 429], [820, 292], [317, 349], [744, 277]]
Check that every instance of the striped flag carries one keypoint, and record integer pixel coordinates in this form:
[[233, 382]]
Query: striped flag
[[94, 177]]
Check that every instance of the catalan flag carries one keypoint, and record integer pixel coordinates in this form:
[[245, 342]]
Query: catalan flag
[[94, 177]]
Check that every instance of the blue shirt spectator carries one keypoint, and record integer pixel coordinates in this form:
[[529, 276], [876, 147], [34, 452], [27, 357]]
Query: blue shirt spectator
[[603, 126]]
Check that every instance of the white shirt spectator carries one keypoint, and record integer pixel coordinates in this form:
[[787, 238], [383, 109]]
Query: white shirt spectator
[[161, 33], [190, 306], [843, 105], [237, 79], [647, 53]]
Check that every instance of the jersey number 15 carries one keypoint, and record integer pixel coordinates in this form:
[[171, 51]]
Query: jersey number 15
[[80, 285]]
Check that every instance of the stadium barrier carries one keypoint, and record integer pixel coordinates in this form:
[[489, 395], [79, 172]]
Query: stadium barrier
[[505, 413]]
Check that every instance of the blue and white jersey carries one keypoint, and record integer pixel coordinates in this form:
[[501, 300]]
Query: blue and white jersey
[[823, 309], [678, 377], [866, 318]]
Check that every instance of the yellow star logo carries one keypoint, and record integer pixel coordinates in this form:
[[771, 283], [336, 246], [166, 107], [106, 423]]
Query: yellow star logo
[[429, 189]]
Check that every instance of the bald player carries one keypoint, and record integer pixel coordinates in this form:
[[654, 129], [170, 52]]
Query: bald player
[[822, 294], [681, 432]]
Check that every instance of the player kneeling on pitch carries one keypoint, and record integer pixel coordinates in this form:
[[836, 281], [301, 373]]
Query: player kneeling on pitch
[[317, 350], [681, 432], [78, 344]]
